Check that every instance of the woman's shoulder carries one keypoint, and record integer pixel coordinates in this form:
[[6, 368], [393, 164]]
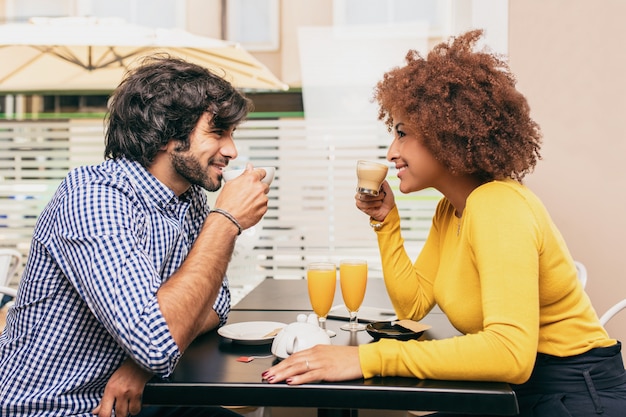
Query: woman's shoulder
[[500, 190], [505, 195]]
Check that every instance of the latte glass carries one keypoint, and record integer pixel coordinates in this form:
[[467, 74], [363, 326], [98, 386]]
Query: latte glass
[[370, 177]]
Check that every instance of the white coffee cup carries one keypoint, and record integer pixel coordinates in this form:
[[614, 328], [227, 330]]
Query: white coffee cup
[[234, 173]]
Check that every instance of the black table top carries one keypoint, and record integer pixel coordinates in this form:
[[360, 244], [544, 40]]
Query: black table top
[[209, 374], [292, 294]]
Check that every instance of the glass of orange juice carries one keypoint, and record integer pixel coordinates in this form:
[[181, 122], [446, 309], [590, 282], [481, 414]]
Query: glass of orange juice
[[322, 280], [353, 279]]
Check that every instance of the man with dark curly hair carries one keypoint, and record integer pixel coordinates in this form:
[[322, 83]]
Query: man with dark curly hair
[[127, 261], [494, 261]]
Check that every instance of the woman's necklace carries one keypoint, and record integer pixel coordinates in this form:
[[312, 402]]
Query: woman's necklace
[[458, 223]]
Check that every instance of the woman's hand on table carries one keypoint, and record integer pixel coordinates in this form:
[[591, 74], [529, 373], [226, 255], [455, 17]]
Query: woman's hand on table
[[320, 363]]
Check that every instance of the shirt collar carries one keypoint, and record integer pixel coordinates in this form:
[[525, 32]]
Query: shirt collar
[[152, 189]]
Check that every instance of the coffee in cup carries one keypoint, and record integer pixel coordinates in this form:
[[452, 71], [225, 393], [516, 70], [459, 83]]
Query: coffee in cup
[[370, 176]]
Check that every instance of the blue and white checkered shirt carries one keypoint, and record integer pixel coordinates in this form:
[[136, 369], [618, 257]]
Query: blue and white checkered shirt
[[108, 239]]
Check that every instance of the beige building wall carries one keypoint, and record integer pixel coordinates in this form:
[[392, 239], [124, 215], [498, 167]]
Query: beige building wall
[[285, 62], [570, 61], [204, 18]]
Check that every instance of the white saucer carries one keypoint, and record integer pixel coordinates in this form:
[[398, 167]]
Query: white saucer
[[251, 332]]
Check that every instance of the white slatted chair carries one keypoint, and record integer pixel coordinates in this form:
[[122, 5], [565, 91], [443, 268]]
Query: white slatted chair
[[611, 312], [582, 272], [9, 261], [617, 307], [4, 290]]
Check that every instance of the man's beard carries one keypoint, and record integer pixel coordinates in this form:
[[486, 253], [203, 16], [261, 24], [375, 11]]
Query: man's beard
[[192, 170]]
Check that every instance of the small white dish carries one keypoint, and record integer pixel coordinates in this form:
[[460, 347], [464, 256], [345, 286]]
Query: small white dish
[[234, 173], [251, 332]]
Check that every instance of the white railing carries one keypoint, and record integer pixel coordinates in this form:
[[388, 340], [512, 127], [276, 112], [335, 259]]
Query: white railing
[[311, 215]]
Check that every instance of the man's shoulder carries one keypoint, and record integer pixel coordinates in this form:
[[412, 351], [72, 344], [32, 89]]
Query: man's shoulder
[[87, 181], [92, 173], [110, 173]]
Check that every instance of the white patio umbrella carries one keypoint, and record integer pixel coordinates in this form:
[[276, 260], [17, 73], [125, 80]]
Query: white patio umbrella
[[90, 54]]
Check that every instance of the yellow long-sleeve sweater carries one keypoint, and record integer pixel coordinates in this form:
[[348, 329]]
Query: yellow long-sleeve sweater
[[504, 277]]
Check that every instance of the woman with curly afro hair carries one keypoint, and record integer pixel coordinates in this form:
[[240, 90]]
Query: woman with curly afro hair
[[494, 262]]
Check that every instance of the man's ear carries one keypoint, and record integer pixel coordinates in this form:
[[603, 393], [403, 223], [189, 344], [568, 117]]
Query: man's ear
[[170, 144]]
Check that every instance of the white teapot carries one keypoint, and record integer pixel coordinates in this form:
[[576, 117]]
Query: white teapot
[[300, 335]]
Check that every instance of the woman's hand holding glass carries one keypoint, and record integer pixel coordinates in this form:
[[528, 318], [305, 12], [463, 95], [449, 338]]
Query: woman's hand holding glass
[[377, 207]]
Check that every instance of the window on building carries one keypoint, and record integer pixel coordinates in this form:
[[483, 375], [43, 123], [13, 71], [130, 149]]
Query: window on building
[[253, 23], [152, 13]]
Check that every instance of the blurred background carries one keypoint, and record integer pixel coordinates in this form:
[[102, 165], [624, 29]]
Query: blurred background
[[317, 119]]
